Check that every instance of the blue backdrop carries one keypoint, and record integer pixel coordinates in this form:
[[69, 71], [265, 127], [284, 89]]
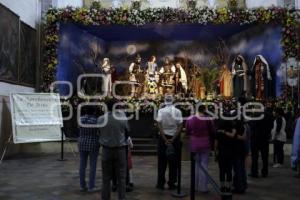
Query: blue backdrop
[[81, 48]]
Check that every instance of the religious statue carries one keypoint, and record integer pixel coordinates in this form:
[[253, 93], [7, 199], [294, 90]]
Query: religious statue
[[152, 66], [261, 77], [196, 85], [180, 79], [167, 73], [152, 76], [135, 76], [107, 70], [239, 76], [225, 81]]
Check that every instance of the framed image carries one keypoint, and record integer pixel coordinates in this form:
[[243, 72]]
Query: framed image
[[27, 66], [9, 45]]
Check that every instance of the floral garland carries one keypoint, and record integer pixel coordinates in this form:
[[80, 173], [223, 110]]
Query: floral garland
[[149, 107], [97, 16]]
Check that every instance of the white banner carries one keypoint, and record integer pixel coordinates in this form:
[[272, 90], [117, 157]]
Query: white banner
[[36, 117]]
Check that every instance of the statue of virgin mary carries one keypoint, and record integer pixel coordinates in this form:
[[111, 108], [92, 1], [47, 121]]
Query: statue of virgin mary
[[261, 77], [225, 81], [239, 76]]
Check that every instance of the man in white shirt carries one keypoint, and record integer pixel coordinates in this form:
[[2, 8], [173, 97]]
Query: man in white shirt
[[170, 124]]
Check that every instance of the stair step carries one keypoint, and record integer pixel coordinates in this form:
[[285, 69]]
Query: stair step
[[144, 152], [144, 141], [144, 146]]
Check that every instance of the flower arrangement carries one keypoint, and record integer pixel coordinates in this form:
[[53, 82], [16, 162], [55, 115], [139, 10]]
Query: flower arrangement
[[232, 4], [136, 4], [191, 4], [99, 16]]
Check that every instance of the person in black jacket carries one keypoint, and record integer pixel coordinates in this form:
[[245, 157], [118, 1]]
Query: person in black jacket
[[240, 153], [224, 149], [260, 136]]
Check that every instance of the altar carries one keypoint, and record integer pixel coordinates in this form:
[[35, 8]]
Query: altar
[[137, 54]]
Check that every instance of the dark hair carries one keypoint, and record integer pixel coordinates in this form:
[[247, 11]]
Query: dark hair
[[279, 111], [201, 109], [151, 58], [110, 104], [88, 110]]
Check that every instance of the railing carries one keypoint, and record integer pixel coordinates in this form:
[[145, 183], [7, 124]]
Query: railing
[[224, 196]]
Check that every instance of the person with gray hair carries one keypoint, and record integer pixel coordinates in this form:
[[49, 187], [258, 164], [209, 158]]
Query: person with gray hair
[[170, 124]]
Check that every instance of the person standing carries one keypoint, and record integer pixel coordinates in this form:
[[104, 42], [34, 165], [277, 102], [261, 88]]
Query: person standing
[[295, 157], [200, 129], [88, 145], [278, 137], [224, 148], [169, 121], [113, 138], [260, 137], [240, 153]]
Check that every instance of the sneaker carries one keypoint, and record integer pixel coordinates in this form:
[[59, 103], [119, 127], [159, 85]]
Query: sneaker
[[83, 189], [277, 165]]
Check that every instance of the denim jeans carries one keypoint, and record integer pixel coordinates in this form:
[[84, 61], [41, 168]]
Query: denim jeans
[[201, 180], [93, 155]]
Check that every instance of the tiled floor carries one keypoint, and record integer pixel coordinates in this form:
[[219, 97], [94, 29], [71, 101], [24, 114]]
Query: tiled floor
[[46, 178]]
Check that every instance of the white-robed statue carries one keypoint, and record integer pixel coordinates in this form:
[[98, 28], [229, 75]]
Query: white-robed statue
[[261, 77], [152, 76], [151, 66], [180, 79], [295, 157], [239, 76], [107, 71]]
